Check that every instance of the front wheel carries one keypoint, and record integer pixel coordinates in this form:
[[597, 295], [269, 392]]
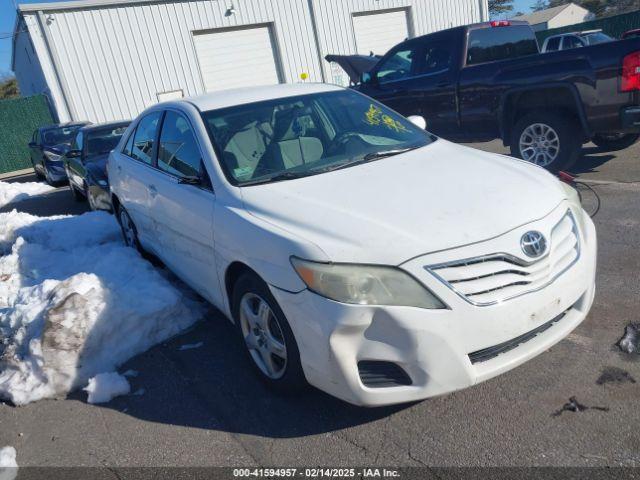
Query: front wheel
[[266, 335], [615, 141], [548, 139], [77, 196]]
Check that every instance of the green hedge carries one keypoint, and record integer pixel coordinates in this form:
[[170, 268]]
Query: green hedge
[[19, 118], [613, 26]]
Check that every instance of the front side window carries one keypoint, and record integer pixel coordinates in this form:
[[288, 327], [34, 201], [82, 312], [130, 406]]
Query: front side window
[[500, 43], [145, 137], [77, 142], [397, 67], [178, 152], [288, 138], [102, 140], [553, 44]]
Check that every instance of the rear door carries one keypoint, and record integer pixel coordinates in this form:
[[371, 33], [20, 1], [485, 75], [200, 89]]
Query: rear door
[[182, 213], [135, 174]]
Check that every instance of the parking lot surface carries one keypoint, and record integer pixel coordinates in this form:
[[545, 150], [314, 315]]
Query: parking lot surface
[[204, 407]]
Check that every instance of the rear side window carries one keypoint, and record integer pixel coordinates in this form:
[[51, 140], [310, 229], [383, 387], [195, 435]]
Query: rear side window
[[435, 59], [145, 137], [553, 44], [571, 41], [178, 153], [500, 43]]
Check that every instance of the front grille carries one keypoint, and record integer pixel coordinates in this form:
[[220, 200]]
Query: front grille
[[494, 278], [492, 352], [376, 374]]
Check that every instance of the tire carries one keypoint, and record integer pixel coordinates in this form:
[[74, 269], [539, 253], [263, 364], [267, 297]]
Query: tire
[[273, 339], [557, 145], [77, 196], [614, 143], [129, 230], [47, 177], [37, 172]]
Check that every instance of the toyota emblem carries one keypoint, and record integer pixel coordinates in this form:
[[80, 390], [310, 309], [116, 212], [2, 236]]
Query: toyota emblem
[[533, 244]]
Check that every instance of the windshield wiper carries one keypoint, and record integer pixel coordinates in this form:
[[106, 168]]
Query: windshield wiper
[[369, 157], [278, 178], [387, 153]]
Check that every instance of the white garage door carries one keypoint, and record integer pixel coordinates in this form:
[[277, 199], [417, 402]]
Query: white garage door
[[237, 58], [378, 32]]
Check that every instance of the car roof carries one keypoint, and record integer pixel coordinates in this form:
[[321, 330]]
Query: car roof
[[242, 96], [100, 126], [63, 125]]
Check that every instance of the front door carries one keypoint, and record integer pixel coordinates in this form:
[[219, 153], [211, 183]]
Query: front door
[[182, 206]]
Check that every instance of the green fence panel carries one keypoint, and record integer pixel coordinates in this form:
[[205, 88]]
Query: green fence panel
[[613, 26], [19, 118]]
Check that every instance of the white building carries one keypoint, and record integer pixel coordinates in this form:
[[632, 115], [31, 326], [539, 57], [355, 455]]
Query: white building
[[102, 60], [557, 17]]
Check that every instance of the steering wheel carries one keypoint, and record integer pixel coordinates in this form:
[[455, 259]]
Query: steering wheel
[[341, 140]]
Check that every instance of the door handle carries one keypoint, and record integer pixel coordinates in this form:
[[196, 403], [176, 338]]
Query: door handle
[[153, 191]]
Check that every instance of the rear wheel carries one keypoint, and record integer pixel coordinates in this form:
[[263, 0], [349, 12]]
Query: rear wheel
[[266, 335], [615, 141], [129, 232], [548, 139]]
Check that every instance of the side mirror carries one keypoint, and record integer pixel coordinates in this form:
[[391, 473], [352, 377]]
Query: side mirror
[[33, 144], [190, 181], [418, 121]]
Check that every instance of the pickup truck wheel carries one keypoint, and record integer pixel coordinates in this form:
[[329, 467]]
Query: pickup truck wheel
[[615, 142], [266, 336], [549, 140]]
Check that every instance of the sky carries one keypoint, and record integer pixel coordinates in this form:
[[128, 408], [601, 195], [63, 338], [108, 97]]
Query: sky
[[8, 18]]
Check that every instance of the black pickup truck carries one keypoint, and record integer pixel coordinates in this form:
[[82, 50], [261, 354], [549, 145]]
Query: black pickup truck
[[485, 81]]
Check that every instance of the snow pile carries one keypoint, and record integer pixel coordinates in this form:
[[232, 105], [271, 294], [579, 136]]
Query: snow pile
[[102, 388], [75, 302], [8, 464], [15, 192]]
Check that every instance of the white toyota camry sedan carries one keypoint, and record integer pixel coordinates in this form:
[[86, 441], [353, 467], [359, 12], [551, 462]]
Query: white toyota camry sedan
[[352, 249]]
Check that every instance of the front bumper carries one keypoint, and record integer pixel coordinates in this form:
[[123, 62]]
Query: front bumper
[[434, 346]]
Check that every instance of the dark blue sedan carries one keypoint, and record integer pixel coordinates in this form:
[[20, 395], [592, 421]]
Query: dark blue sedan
[[86, 163]]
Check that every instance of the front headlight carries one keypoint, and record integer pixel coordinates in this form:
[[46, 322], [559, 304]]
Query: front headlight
[[573, 197], [53, 156], [365, 285]]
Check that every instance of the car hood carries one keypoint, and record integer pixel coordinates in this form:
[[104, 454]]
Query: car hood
[[435, 198], [354, 65]]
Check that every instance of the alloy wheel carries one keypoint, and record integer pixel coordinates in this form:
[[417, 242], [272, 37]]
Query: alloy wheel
[[540, 144], [263, 336]]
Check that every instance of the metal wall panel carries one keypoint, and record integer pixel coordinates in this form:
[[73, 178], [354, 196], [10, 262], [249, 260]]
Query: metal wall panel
[[113, 60]]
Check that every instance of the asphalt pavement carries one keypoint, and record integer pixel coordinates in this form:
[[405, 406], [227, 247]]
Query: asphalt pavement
[[204, 407]]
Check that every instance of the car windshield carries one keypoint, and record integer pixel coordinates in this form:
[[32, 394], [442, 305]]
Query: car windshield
[[103, 140], [595, 38], [294, 137], [58, 136]]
